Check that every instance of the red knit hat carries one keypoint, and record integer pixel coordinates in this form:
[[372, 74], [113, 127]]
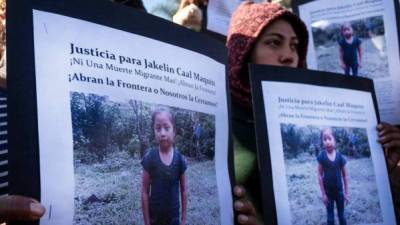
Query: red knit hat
[[247, 23]]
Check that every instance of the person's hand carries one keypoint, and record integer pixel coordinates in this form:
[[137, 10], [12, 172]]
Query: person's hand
[[19, 208], [325, 199], [346, 199], [389, 136], [342, 66], [189, 15], [243, 207]]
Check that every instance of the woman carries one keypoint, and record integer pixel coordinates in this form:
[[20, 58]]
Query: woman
[[261, 33], [266, 33]]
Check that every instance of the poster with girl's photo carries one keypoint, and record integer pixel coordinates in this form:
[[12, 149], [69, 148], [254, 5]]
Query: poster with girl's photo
[[126, 123], [357, 38], [319, 155]]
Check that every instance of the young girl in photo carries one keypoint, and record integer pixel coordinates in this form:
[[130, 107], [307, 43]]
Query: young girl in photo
[[350, 50], [163, 175], [332, 174]]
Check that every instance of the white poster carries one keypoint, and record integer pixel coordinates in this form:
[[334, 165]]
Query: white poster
[[219, 13], [305, 130], [358, 38], [109, 102]]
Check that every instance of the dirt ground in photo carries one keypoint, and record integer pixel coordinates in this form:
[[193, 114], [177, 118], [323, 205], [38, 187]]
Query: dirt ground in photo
[[96, 204], [374, 58], [306, 205]]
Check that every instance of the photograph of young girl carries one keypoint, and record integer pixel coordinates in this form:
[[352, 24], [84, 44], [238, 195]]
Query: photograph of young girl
[[332, 177], [355, 48], [163, 174], [330, 172], [141, 163], [350, 50]]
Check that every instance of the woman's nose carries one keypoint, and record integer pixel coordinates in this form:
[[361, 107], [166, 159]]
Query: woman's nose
[[287, 56]]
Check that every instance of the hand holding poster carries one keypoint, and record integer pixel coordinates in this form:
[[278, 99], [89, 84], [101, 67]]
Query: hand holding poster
[[358, 38], [128, 114], [319, 152]]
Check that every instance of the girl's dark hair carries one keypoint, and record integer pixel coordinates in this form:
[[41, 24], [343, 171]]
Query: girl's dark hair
[[159, 110], [137, 4]]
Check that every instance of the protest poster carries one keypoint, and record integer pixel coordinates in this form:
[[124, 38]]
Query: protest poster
[[298, 130], [219, 13], [358, 38], [100, 92]]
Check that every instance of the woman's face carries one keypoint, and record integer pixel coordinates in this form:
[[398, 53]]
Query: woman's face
[[277, 46]]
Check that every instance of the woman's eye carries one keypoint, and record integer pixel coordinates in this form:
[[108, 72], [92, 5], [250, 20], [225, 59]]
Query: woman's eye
[[294, 46], [273, 43]]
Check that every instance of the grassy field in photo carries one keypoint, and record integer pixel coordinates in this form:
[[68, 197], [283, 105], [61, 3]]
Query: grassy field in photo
[[109, 193], [374, 61], [301, 146], [371, 32], [305, 201]]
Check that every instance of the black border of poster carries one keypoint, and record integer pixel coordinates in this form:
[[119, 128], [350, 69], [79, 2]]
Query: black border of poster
[[259, 73], [24, 168], [297, 3]]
